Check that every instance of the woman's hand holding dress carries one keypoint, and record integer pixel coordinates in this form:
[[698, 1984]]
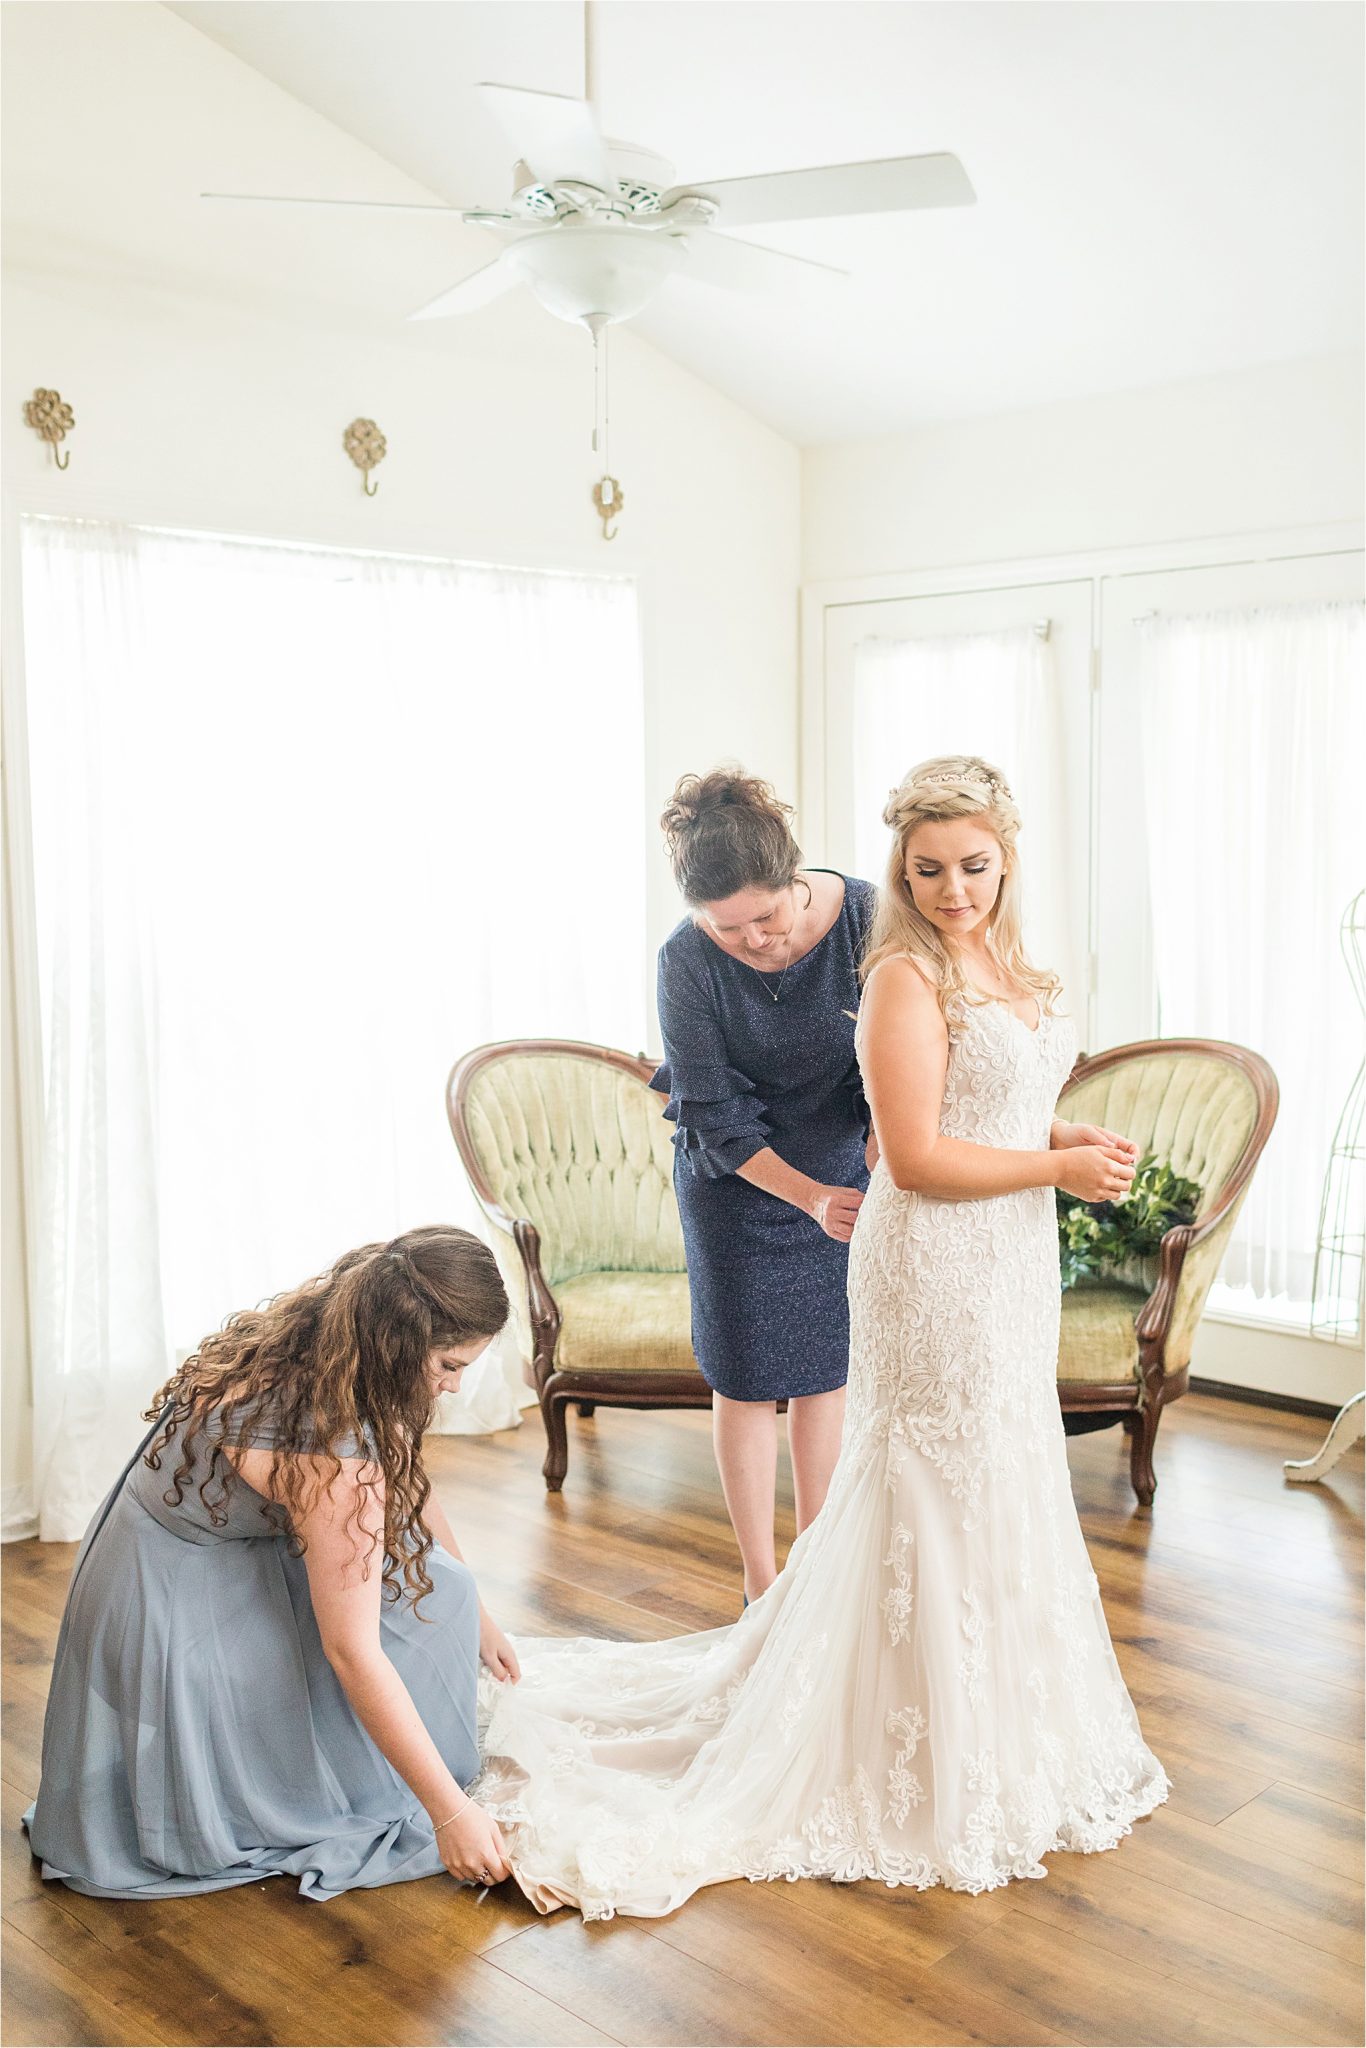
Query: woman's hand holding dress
[[836, 1210], [472, 1846], [495, 1651], [343, 1531]]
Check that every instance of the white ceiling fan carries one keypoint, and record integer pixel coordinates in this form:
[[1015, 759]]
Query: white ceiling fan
[[594, 227]]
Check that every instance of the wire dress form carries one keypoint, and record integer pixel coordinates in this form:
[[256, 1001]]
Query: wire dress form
[[1337, 1311]]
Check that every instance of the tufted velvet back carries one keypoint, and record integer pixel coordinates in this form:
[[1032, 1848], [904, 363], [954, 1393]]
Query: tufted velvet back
[[580, 1149], [1199, 1109]]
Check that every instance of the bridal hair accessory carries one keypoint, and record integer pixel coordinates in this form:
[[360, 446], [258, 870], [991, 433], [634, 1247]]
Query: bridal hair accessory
[[976, 781], [898, 798]]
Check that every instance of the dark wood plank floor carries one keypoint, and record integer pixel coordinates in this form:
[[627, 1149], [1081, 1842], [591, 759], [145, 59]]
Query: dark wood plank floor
[[1232, 1916]]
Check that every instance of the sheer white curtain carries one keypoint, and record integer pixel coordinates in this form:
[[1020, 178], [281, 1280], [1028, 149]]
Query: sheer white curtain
[[1254, 740], [995, 695], [306, 826]]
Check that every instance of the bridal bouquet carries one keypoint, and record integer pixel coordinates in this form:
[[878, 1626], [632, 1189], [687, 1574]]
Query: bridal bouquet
[[1097, 1240]]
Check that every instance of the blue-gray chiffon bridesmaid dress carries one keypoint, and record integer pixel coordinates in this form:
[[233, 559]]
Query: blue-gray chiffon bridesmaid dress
[[196, 1736]]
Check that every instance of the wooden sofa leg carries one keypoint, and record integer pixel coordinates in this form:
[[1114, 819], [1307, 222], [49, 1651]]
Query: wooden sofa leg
[[557, 1442], [586, 1408], [1142, 1432]]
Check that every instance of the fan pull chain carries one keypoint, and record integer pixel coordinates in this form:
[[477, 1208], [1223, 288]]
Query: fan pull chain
[[600, 416], [608, 496]]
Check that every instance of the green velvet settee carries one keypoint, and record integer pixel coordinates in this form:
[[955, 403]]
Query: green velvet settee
[[1125, 1347], [569, 1156]]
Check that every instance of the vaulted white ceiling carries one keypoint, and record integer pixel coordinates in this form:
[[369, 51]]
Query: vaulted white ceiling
[[1164, 190]]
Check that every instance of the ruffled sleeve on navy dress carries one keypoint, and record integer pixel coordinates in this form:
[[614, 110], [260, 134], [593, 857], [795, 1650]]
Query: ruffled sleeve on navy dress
[[721, 1119], [744, 1072]]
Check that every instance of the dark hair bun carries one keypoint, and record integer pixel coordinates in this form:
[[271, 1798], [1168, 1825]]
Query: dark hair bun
[[728, 831]]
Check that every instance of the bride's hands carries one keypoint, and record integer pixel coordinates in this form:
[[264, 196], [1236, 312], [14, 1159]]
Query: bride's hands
[[836, 1210], [472, 1847], [495, 1650], [1095, 1173], [1064, 1136]]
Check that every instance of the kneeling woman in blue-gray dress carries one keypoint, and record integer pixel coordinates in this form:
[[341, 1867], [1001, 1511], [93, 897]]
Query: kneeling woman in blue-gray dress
[[756, 993], [269, 1655]]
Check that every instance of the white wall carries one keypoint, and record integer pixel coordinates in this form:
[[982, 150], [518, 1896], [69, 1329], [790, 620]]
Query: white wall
[[1254, 451], [225, 412], [192, 413], [214, 357]]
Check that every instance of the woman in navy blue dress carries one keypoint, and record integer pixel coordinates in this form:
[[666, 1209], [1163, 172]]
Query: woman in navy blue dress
[[756, 993]]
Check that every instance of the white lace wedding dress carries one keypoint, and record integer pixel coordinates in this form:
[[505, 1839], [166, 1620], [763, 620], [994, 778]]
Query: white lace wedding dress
[[927, 1695]]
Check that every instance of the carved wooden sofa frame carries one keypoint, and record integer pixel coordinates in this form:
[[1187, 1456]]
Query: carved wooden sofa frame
[[1138, 1402], [556, 1388]]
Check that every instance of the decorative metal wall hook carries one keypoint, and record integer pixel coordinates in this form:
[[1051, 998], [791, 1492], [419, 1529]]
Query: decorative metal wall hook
[[367, 447], [52, 419], [609, 498]]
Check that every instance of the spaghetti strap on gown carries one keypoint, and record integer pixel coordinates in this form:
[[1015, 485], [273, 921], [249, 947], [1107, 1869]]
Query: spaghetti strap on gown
[[928, 1693], [196, 1736]]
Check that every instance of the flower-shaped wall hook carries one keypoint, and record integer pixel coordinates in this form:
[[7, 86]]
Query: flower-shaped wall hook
[[366, 446], [609, 498], [49, 415]]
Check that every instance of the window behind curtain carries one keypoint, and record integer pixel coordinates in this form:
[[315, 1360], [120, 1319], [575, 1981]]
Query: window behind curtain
[[1254, 739], [307, 825]]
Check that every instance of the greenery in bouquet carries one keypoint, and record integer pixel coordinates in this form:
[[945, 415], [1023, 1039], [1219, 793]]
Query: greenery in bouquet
[[1099, 1239]]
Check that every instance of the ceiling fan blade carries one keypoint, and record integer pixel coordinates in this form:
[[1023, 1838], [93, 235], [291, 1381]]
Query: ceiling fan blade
[[746, 267], [891, 185], [557, 138], [480, 288], [383, 205]]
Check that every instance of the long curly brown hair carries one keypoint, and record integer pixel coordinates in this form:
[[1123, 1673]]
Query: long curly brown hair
[[337, 1363]]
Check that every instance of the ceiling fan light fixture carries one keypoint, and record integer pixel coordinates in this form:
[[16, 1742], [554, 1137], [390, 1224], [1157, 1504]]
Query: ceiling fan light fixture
[[579, 273]]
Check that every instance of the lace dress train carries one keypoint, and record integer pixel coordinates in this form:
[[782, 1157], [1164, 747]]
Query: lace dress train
[[928, 1693]]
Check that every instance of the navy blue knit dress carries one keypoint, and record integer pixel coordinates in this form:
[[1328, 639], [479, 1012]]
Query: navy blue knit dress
[[769, 1315]]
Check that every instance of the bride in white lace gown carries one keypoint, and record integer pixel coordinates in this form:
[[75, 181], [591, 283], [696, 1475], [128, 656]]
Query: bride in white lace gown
[[927, 1694]]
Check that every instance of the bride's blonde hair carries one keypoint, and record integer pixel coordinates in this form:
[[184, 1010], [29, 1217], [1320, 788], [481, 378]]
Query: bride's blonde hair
[[954, 786]]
